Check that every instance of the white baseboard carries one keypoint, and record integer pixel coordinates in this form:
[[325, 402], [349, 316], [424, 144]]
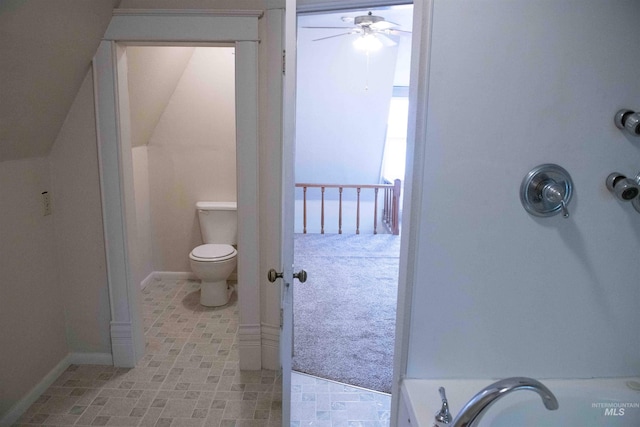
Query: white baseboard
[[167, 275], [122, 345], [174, 275], [249, 347], [23, 404], [270, 346], [150, 278], [91, 359]]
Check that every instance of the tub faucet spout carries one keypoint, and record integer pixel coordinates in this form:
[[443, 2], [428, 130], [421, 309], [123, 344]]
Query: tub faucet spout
[[471, 413]]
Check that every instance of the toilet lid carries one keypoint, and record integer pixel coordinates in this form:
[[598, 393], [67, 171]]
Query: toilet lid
[[213, 251]]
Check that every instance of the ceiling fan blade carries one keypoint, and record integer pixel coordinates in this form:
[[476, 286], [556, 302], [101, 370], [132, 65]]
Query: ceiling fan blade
[[395, 32], [383, 25], [330, 37], [385, 40], [331, 28]]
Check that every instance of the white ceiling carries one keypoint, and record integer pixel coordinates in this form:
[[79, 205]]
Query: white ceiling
[[402, 15], [46, 49]]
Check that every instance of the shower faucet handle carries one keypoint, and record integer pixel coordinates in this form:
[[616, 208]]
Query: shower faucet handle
[[554, 192], [546, 190], [443, 416]]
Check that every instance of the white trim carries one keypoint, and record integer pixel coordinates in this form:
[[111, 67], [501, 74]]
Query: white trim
[[23, 404], [187, 12], [91, 359], [416, 135], [250, 347], [122, 345], [270, 346], [147, 280], [110, 139], [17, 410], [115, 163], [183, 26]]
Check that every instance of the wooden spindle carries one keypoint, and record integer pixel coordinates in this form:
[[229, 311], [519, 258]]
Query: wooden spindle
[[390, 208], [358, 213], [304, 210], [375, 213], [396, 206], [322, 214], [340, 212]]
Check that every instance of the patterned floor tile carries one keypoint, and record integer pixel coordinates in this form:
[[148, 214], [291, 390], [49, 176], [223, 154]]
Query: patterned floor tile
[[189, 376]]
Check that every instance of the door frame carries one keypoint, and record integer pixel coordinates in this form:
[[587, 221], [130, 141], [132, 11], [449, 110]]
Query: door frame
[[415, 159], [171, 27]]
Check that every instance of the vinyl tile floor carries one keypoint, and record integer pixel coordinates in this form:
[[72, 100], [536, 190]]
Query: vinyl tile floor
[[323, 403], [189, 376]]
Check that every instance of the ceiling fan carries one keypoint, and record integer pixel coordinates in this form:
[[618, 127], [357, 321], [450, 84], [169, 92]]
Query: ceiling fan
[[373, 31]]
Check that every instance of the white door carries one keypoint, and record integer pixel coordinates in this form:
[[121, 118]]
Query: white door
[[288, 187]]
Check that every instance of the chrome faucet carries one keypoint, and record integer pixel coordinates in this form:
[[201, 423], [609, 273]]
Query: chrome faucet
[[475, 408]]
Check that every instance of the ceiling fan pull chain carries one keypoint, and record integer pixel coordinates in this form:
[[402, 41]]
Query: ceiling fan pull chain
[[366, 82]]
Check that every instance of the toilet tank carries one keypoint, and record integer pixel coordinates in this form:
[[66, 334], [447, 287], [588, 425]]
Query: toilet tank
[[218, 222]]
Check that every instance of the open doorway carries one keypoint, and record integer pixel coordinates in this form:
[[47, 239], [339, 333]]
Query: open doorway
[[182, 105], [350, 143]]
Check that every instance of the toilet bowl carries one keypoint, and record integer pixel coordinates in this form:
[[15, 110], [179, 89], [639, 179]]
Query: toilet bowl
[[213, 264]]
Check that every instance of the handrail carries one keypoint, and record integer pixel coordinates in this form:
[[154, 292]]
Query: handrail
[[390, 211]]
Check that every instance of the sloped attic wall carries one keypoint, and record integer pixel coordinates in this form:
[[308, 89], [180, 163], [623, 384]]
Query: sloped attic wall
[[153, 73], [46, 49]]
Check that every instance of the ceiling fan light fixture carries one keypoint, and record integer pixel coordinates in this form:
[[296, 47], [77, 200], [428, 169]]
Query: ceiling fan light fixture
[[367, 43]]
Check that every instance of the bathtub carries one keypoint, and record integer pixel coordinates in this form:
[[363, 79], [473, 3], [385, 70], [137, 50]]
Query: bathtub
[[583, 403]]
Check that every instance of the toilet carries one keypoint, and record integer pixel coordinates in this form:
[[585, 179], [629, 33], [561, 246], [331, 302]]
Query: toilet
[[215, 260]]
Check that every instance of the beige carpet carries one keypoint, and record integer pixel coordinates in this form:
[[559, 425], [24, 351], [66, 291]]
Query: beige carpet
[[344, 315]]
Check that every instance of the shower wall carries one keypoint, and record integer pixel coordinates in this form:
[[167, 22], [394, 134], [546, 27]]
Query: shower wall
[[514, 84]]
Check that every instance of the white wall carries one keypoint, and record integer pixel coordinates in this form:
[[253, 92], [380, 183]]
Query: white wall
[[342, 107], [144, 264], [79, 238], [514, 84], [31, 298], [191, 156]]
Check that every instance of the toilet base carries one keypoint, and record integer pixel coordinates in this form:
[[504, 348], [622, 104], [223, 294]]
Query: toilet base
[[214, 294]]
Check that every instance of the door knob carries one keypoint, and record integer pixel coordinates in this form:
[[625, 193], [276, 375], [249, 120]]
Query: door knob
[[301, 276], [273, 275]]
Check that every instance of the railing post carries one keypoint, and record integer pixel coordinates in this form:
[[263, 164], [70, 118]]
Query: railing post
[[304, 210], [396, 206], [358, 213], [375, 212], [322, 214], [390, 208], [340, 212]]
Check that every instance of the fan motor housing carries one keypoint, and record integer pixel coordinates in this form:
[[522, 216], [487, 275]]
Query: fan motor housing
[[367, 19]]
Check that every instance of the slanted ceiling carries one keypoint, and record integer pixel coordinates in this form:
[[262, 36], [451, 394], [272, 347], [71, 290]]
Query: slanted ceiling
[[153, 74], [46, 49]]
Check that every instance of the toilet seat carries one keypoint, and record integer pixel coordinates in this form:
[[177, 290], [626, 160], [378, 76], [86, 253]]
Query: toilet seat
[[212, 252]]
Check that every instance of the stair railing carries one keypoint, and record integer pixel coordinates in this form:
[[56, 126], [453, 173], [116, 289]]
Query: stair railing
[[390, 209]]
